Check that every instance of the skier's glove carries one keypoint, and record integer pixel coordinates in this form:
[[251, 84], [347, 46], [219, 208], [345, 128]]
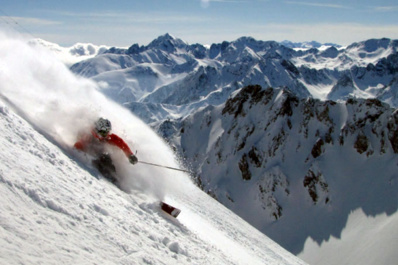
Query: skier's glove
[[133, 159]]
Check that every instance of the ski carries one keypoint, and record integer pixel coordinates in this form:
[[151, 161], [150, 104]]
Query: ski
[[173, 211]]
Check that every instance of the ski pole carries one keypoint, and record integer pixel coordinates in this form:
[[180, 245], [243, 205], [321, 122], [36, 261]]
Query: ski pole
[[156, 165]]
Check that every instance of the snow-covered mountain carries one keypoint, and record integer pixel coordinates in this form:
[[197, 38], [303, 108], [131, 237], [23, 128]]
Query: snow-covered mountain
[[56, 209], [298, 167], [169, 78], [308, 45]]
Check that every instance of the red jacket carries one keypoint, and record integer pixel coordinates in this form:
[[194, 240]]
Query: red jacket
[[94, 143]]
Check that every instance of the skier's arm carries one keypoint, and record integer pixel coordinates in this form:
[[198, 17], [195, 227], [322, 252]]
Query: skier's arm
[[117, 141]]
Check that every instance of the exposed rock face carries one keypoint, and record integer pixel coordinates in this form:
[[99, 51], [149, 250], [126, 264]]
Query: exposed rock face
[[316, 185], [272, 182], [361, 143], [244, 168], [317, 149], [251, 94]]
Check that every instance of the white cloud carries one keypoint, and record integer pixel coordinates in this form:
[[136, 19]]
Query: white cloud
[[386, 8], [206, 3], [124, 18], [327, 5]]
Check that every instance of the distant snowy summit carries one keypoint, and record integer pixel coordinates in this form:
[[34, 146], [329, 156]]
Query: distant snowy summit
[[73, 54], [309, 45]]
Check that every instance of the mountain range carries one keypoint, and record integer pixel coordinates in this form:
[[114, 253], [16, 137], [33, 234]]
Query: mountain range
[[170, 78], [296, 141]]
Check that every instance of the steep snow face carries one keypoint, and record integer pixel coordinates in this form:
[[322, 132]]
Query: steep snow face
[[171, 72], [295, 168], [55, 208]]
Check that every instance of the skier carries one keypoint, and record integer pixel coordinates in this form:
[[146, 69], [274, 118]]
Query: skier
[[94, 143]]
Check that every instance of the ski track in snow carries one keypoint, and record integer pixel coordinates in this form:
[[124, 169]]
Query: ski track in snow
[[55, 209]]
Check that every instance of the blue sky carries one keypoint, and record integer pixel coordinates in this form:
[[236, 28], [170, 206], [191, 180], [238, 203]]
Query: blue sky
[[125, 22]]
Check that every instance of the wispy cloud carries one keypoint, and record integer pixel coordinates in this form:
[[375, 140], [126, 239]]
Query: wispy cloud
[[206, 3], [326, 5], [386, 8], [28, 21], [125, 18]]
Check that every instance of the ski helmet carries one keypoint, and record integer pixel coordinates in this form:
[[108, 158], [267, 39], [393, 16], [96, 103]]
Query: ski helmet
[[103, 127]]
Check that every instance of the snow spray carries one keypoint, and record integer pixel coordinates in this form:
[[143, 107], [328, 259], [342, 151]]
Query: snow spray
[[62, 104]]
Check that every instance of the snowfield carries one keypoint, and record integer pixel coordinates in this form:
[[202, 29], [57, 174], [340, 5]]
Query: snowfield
[[56, 209]]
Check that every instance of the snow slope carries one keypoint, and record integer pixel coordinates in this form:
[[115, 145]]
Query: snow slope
[[56, 209]]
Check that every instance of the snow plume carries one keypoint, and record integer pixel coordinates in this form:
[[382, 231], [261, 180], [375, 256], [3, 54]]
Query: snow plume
[[60, 105]]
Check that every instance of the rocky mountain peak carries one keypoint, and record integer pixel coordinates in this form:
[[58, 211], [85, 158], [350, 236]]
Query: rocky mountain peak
[[167, 43]]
